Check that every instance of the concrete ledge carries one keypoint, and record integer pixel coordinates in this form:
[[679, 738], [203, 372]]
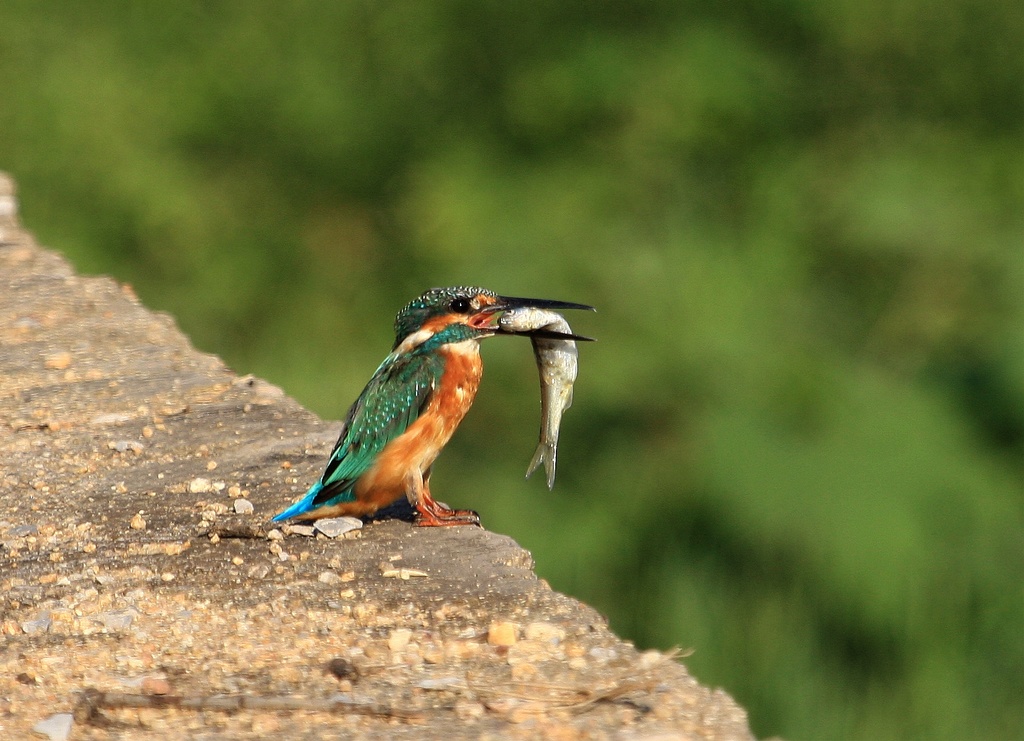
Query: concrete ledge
[[122, 452]]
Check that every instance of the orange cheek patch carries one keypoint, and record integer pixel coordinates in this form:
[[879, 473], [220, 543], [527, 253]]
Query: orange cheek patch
[[437, 323]]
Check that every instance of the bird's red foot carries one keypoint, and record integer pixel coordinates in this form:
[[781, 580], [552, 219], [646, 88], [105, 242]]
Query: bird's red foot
[[430, 513]]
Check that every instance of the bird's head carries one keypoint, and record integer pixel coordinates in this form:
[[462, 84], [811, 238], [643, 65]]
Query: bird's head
[[465, 312]]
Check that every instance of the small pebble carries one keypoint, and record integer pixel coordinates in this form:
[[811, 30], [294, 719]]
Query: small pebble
[[342, 668], [650, 659], [212, 510], [40, 624], [155, 686], [404, 574], [58, 360], [332, 527], [303, 530], [329, 577], [243, 507], [399, 639], [259, 571], [199, 486], [462, 650], [10, 628], [138, 522], [56, 727], [115, 620], [502, 634], [524, 672], [123, 446], [544, 632], [364, 611]]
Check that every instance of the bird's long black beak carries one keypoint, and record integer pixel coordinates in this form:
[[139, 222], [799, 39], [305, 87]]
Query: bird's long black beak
[[511, 302], [508, 303]]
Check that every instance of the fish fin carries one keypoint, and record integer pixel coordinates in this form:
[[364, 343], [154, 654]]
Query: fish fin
[[545, 453]]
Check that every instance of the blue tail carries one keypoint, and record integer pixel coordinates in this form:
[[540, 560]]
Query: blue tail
[[303, 505]]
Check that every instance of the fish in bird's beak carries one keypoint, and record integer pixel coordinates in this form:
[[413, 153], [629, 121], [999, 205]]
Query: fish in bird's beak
[[510, 303]]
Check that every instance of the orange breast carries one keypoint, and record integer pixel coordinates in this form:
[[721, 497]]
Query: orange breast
[[418, 447]]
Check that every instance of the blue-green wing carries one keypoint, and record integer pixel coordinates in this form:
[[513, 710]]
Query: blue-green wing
[[391, 401]]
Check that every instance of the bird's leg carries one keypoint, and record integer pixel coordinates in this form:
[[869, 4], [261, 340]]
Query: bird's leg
[[431, 513]]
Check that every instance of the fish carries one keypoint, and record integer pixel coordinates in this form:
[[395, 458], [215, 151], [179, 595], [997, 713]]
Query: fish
[[557, 364]]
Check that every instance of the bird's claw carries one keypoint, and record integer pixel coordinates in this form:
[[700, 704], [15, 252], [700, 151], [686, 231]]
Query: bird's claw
[[430, 513]]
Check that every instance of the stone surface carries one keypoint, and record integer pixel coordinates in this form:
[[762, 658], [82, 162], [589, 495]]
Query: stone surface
[[243, 507], [333, 527], [123, 557], [56, 727]]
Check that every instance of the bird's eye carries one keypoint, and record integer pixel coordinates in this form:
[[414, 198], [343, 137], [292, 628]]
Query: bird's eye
[[460, 305]]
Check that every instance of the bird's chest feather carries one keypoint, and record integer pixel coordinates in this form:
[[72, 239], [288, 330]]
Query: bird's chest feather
[[458, 385], [452, 397], [418, 447]]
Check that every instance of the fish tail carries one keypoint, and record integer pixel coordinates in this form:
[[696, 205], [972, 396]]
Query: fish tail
[[302, 506], [545, 453]]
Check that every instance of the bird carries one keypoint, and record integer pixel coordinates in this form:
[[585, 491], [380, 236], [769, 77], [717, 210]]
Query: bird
[[411, 406]]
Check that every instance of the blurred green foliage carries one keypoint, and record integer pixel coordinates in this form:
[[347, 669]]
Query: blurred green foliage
[[798, 446]]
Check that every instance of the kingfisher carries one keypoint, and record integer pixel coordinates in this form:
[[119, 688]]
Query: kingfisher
[[411, 406]]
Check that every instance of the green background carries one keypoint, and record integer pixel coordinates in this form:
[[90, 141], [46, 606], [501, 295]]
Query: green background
[[798, 446]]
